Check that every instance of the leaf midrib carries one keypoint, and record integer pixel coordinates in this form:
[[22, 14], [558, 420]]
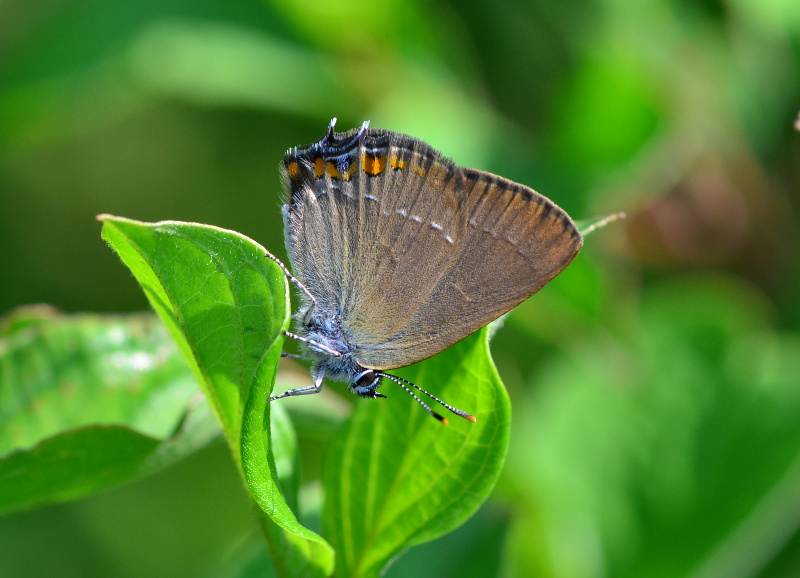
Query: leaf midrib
[[403, 472]]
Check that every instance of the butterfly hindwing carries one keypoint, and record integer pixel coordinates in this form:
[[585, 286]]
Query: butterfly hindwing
[[512, 242]]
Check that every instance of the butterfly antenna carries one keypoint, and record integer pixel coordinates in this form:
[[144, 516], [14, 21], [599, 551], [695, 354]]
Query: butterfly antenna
[[455, 410], [397, 380]]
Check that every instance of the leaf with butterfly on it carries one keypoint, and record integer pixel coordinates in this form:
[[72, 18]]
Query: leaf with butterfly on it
[[225, 305], [394, 477]]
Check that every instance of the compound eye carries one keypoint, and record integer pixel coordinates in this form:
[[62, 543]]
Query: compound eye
[[366, 381]]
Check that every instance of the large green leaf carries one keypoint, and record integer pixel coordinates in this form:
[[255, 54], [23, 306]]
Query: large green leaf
[[225, 304], [395, 477], [88, 401]]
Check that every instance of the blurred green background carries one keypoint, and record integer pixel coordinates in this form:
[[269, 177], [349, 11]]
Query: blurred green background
[[655, 384]]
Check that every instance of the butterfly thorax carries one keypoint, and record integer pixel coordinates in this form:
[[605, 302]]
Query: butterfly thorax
[[325, 328]]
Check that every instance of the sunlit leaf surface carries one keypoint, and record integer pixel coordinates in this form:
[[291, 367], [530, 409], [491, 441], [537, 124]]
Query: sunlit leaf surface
[[225, 303], [396, 477]]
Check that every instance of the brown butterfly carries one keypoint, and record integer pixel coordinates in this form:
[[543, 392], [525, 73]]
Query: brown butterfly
[[400, 253]]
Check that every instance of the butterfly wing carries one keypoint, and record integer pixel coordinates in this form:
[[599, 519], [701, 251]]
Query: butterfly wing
[[410, 252], [361, 232], [509, 242]]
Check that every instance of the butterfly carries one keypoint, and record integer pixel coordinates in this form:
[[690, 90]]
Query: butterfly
[[399, 253]]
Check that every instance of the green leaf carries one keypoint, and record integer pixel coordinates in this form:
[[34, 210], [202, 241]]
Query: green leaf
[[88, 401], [225, 304], [395, 477]]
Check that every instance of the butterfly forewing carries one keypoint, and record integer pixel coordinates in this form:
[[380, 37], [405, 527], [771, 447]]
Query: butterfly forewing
[[372, 246], [407, 241]]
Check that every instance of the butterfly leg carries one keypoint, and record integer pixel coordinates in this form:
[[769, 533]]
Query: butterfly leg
[[308, 390], [297, 284], [311, 343], [315, 344]]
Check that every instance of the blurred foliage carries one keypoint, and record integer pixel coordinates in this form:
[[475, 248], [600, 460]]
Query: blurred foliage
[[654, 384], [90, 401]]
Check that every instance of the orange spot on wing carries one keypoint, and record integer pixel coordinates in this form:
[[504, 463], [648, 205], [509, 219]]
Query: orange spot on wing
[[398, 164], [332, 171], [319, 168], [294, 169], [373, 165], [419, 170]]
